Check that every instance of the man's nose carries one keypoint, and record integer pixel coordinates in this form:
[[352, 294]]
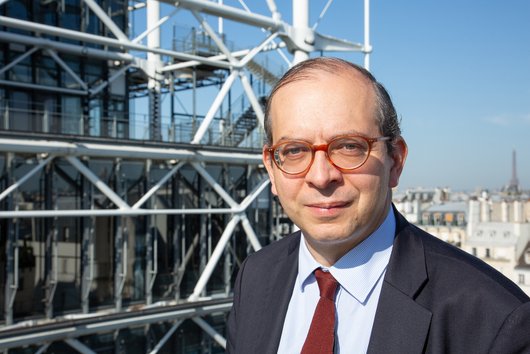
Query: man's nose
[[322, 172]]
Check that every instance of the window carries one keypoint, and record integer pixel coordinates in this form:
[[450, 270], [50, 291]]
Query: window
[[488, 253], [521, 278]]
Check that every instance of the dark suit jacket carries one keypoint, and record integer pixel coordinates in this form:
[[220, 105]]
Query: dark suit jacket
[[435, 299]]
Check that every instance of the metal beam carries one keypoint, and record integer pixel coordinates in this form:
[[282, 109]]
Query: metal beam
[[214, 107], [30, 86], [112, 212], [157, 186], [96, 181], [227, 12], [61, 329], [136, 152], [166, 337], [18, 60], [211, 331], [107, 21], [26, 177], [83, 51], [214, 258], [77, 345], [115, 43], [66, 68]]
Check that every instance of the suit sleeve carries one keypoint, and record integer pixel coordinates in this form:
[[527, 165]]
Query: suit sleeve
[[232, 323], [514, 335]]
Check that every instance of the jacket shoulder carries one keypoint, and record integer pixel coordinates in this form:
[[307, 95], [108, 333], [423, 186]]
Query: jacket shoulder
[[450, 270]]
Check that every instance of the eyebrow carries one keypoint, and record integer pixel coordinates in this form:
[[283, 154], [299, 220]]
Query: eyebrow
[[348, 132]]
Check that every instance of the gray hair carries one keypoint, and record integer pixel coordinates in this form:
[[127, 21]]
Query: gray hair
[[386, 116]]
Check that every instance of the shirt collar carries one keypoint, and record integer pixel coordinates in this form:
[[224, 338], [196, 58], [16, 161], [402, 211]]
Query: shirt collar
[[358, 270]]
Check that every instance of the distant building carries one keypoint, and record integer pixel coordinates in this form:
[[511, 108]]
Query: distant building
[[436, 211], [494, 227], [498, 232], [522, 269]]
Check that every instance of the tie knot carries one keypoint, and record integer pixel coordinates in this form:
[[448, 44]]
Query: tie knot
[[326, 283]]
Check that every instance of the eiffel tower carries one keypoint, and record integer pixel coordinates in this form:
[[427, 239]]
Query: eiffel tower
[[513, 187]]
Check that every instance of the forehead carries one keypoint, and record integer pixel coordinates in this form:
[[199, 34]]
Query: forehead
[[348, 82], [325, 101]]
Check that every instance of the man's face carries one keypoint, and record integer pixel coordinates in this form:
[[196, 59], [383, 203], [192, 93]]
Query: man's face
[[333, 209]]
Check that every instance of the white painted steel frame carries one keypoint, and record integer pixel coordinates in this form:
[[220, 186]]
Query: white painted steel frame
[[299, 38]]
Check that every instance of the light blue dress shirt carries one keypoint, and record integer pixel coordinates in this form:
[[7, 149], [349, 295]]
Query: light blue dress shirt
[[360, 273]]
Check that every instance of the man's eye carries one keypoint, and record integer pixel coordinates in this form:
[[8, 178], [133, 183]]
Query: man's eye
[[294, 151], [350, 147]]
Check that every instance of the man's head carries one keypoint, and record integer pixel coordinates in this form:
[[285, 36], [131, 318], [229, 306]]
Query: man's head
[[385, 113], [344, 193]]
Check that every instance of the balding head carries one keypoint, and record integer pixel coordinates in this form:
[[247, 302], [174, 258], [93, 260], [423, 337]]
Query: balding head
[[385, 113]]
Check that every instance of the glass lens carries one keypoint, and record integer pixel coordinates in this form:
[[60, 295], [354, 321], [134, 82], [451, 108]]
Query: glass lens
[[293, 157], [348, 152]]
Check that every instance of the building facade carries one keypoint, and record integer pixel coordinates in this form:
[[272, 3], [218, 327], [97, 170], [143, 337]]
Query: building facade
[[132, 184]]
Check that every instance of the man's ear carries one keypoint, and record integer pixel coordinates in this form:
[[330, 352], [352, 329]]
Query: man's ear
[[267, 162], [398, 156]]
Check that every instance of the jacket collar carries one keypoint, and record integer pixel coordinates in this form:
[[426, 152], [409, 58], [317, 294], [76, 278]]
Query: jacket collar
[[283, 275], [401, 325]]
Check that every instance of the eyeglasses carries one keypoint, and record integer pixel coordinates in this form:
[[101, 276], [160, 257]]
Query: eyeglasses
[[346, 153]]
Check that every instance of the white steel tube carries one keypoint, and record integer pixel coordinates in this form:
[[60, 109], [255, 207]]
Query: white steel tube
[[97, 182], [300, 23], [250, 55], [66, 33], [214, 258], [40, 42], [215, 37], [66, 68], [20, 214], [220, 24], [166, 337], [107, 21], [210, 330], [80, 347], [18, 60], [249, 231], [116, 75], [27, 85], [214, 107], [157, 186], [155, 26], [254, 194], [125, 152], [273, 9], [216, 186], [367, 46], [230, 13], [252, 98], [153, 16], [26, 177]]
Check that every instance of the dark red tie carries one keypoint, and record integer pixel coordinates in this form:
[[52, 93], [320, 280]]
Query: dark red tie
[[322, 331]]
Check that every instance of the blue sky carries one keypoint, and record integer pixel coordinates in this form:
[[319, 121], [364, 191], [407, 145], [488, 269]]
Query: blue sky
[[459, 75]]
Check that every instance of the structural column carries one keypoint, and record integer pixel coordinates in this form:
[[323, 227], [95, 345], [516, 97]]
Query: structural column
[[50, 230], [301, 26], [154, 64], [10, 281], [87, 244]]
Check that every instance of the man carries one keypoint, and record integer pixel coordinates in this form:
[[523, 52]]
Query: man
[[333, 155]]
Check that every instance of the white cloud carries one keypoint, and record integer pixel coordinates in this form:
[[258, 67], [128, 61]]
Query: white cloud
[[499, 120], [509, 120]]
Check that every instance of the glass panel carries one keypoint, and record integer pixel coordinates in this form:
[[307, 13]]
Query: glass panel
[[72, 115], [19, 112]]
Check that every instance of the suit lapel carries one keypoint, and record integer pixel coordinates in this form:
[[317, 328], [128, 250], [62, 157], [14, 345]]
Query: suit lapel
[[401, 325], [283, 276]]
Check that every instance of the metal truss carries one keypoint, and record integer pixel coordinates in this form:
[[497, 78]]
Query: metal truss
[[48, 154]]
